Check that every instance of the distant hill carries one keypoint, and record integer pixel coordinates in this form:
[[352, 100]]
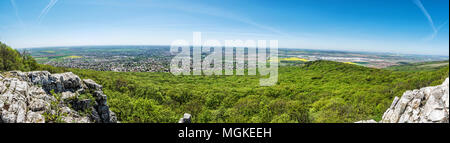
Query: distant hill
[[422, 66]]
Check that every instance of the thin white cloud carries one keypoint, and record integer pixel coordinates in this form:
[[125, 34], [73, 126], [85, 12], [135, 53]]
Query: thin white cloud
[[434, 34], [425, 12], [214, 11], [192, 7], [264, 27], [46, 10], [16, 11], [430, 20]]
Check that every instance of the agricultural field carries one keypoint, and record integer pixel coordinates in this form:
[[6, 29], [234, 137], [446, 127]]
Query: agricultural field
[[106, 58], [157, 58]]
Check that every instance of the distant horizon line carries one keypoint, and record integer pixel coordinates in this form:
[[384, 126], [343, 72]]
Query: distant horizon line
[[155, 45]]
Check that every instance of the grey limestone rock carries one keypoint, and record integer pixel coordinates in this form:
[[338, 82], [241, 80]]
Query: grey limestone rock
[[26, 97]]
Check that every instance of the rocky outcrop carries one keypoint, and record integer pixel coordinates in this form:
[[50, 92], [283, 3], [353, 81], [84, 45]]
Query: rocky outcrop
[[186, 118], [426, 105], [367, 121], [41, 97]]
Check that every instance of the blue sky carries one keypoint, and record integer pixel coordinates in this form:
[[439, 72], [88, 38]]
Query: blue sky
[[397, 26]]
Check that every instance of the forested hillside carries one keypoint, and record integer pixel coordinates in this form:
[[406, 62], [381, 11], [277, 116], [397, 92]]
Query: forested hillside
[[314, 92], [11, 59], [320, 91]]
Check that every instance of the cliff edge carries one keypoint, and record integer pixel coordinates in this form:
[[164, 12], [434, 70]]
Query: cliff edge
[[41, 97]]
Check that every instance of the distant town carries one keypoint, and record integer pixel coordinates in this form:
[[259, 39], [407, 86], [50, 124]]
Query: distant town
[[158, 58]]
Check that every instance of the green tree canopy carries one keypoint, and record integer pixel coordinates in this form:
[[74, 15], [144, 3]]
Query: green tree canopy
[[11, 59]]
